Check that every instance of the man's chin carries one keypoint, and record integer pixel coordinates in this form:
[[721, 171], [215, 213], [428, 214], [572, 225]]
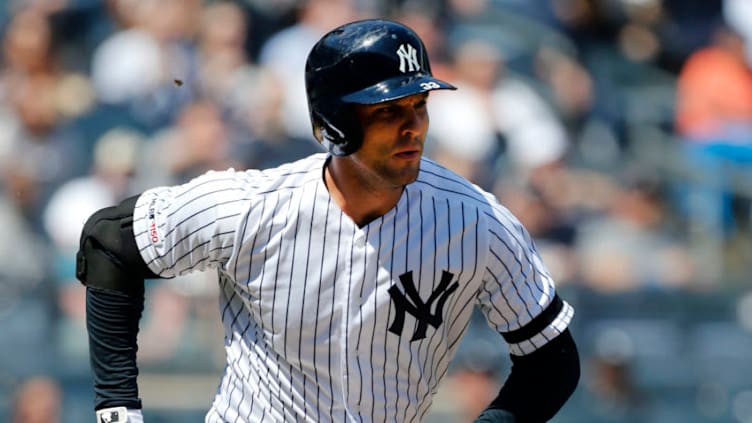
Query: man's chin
[[409, 176]]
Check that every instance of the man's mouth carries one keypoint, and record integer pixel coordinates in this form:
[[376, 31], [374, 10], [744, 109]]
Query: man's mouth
[[408, 154]]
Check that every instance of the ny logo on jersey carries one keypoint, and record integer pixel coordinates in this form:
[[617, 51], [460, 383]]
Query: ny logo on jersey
[[408, 58], [414, 305]]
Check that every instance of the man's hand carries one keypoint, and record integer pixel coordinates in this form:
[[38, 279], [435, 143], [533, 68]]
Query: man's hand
[[494, 415]]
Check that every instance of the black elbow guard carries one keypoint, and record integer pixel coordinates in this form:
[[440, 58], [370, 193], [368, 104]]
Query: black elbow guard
[[108, 257]]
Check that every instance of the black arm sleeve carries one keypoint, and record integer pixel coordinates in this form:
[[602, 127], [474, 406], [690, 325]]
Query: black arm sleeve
[[109, 264], [112, 323], [541, 382]]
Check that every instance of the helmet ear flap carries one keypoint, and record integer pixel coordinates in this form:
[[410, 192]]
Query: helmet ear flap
[[338, 131]]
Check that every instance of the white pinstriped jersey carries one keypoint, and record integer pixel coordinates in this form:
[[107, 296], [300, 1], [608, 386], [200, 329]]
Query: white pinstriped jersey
[[326, 321]]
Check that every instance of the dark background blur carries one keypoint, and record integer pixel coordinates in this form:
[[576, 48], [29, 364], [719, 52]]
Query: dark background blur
[[618, 131]]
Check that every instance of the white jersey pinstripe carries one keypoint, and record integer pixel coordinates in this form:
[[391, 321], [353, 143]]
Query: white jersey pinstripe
[[305, 297]]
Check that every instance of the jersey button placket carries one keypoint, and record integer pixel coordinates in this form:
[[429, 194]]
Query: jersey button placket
[[350, 300], [360, 240]]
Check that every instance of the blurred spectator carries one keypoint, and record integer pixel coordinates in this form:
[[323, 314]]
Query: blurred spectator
[[714, 120], [464, 133], [493, 113], [638, 37], [554, 201], [472, 388], [167, 313], [738, 15], [714, 93], [37, 150], [609, 377], [27, 305], [553, 228], [616, 74], [27, 43], [572, 94], [179, 329], [127, 66], [37, 400], [513, 26], [251, 97], [223, 60], [108, 182], [198, 142], [285, 53], [687, 26], [631, 247], [534, 134], [134, 69], [260, 137], [164, 324], [78, 26], [570, 83]]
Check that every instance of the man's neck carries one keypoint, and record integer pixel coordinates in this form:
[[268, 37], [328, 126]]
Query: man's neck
[[361, 201]]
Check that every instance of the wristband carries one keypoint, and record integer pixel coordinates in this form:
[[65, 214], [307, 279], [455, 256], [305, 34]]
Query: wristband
[[119, 415]]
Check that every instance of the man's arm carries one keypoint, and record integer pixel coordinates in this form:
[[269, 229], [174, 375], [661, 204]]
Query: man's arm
[[519, 300], [538, 385], [109, 264]]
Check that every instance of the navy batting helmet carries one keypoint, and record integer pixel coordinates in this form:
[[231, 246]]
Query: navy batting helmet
[[363, 62]]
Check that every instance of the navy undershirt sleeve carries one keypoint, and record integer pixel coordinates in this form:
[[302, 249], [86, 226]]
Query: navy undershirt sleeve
[[541, 382], [112, 320]]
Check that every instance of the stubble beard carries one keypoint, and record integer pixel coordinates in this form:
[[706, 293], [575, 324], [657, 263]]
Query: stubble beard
[[399, 177]]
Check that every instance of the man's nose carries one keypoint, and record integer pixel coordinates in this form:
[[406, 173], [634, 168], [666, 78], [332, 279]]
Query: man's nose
[[414, 123]]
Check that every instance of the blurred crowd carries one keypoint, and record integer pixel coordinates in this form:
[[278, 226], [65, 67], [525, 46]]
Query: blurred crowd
[[618, 131]]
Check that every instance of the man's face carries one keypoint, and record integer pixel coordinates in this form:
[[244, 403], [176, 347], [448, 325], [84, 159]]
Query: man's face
[[393, 136]]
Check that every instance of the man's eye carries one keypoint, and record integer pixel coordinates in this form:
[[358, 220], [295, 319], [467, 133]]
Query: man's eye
[[385, 111]]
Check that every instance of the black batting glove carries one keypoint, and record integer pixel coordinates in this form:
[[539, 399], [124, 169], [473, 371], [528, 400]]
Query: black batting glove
[[495, 415]]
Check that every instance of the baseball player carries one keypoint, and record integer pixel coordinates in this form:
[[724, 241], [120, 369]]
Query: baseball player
[[348, 278]]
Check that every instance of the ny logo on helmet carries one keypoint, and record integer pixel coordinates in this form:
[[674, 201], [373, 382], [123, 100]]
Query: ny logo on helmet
[[408, 58]]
